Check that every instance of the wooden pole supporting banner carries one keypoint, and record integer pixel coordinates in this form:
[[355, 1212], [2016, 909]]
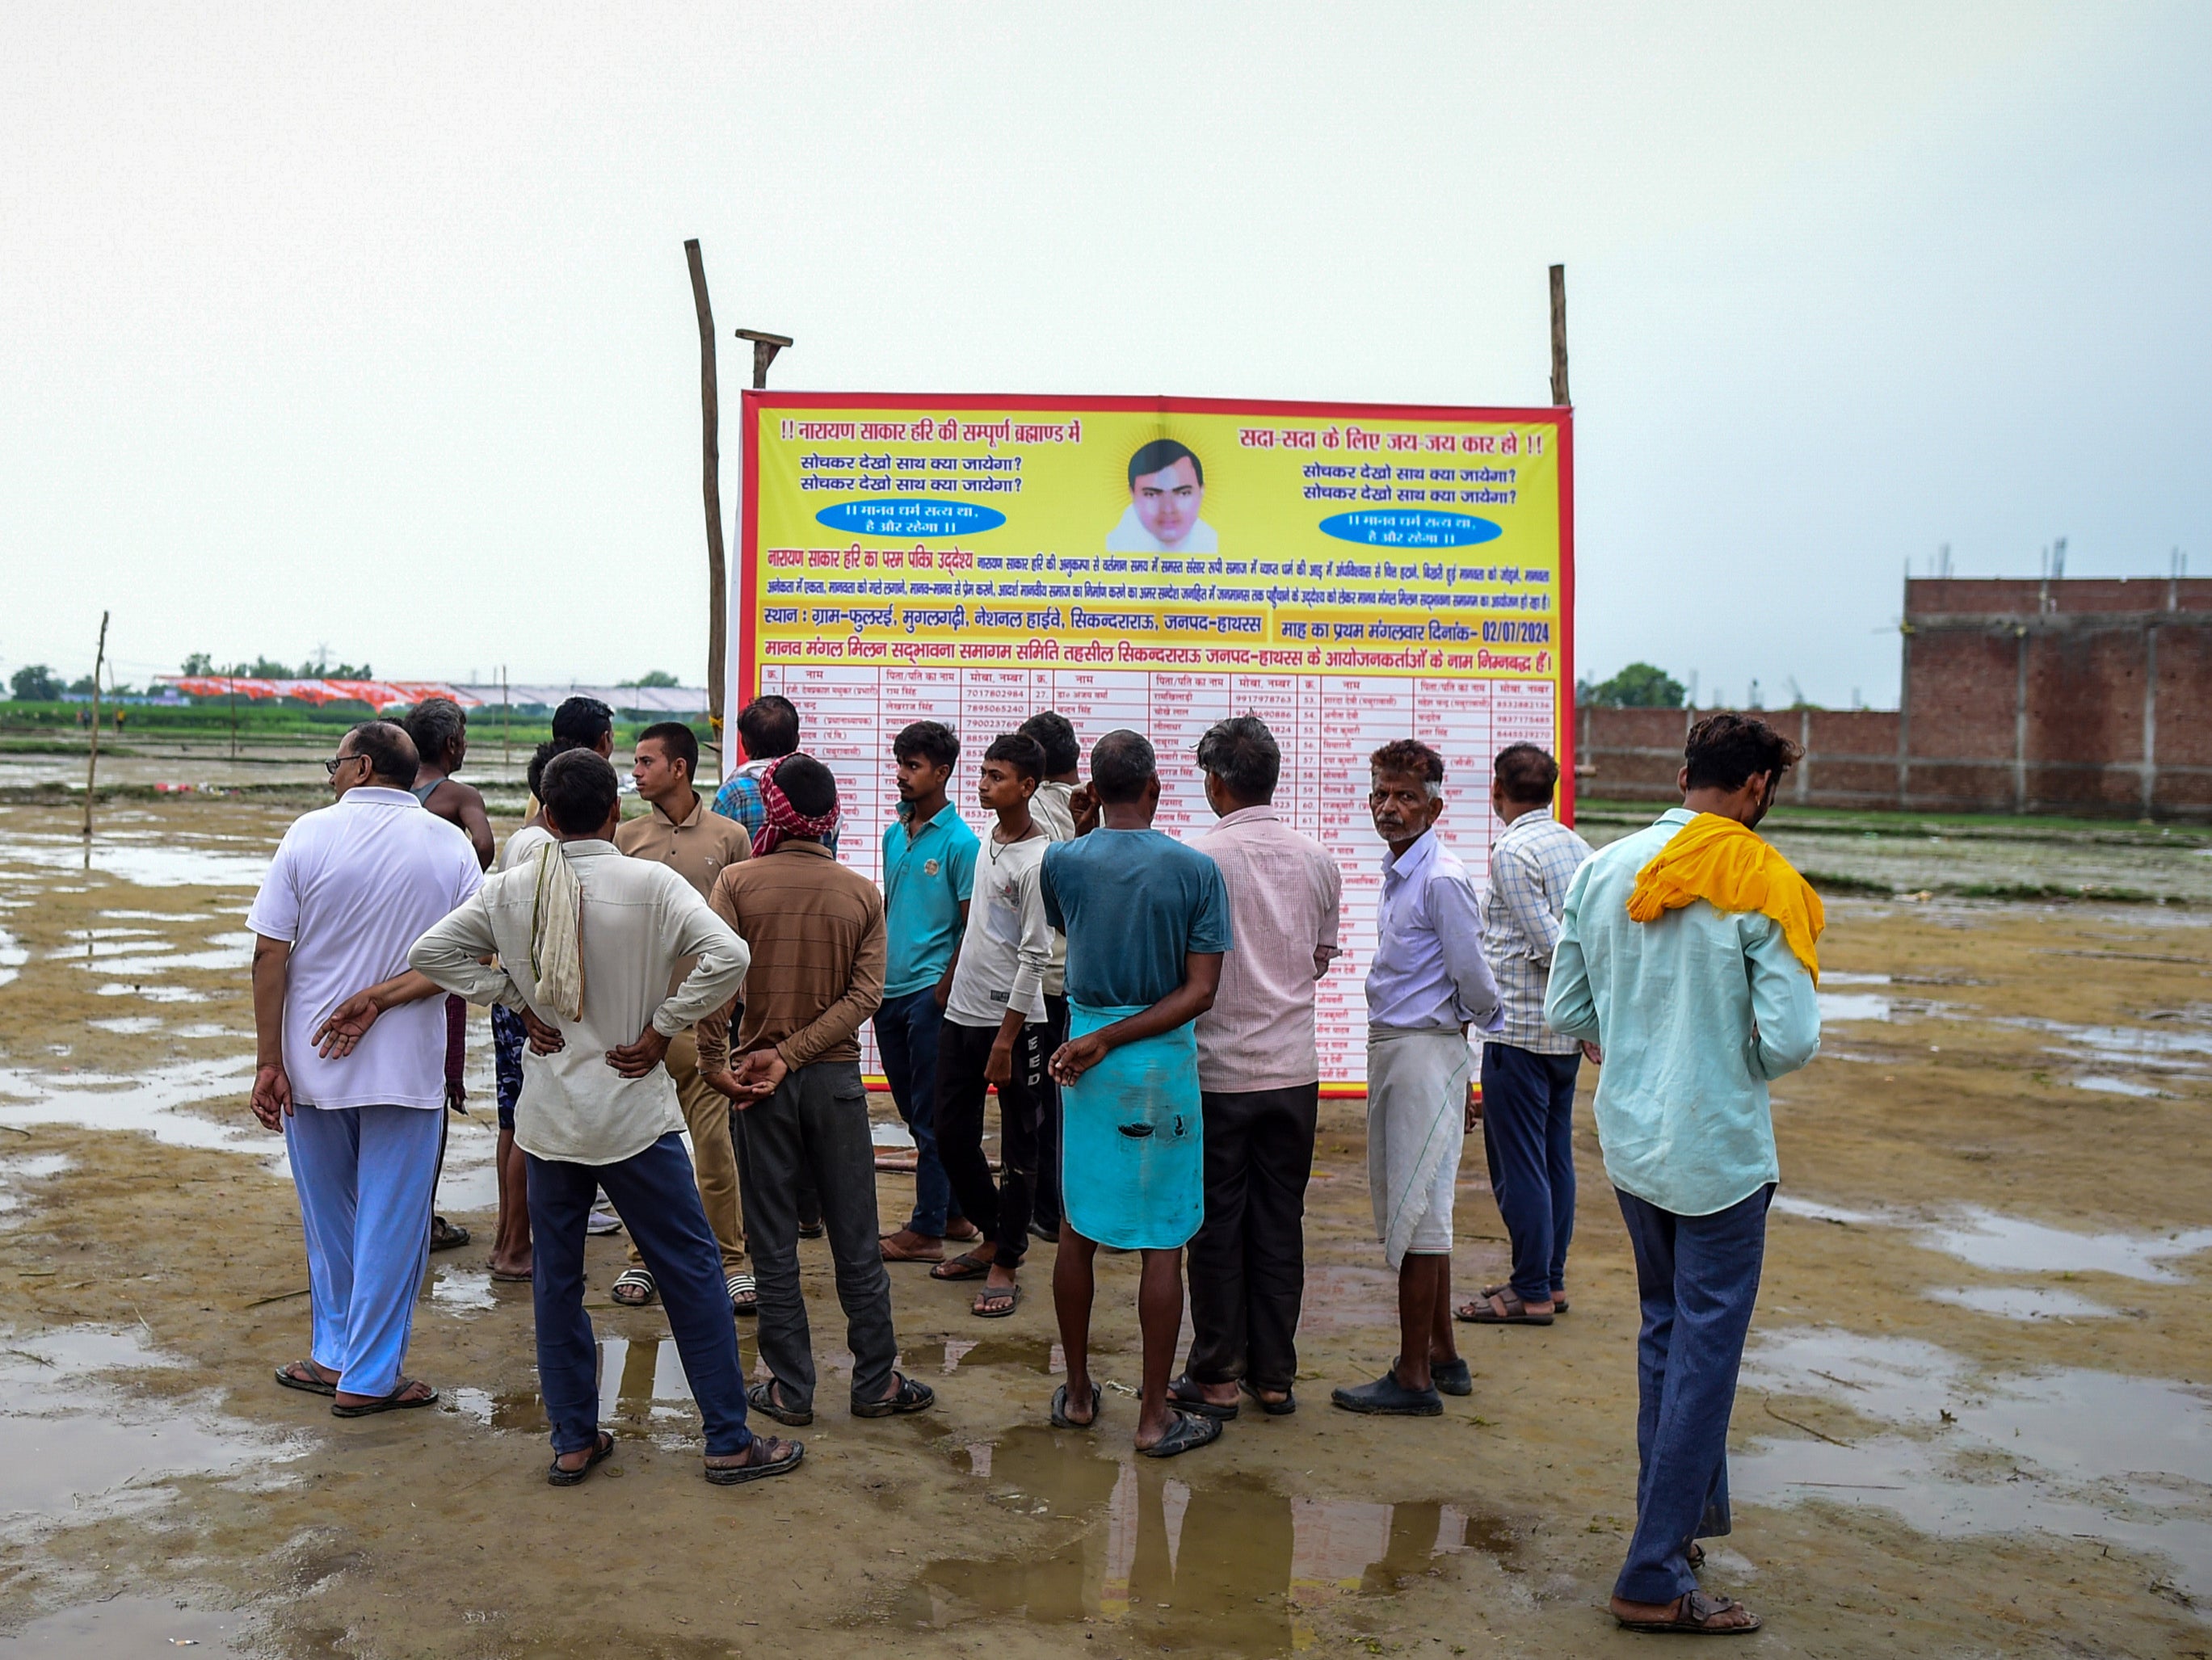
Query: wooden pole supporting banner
[[710, 467], [92, 760], [1559, 335]]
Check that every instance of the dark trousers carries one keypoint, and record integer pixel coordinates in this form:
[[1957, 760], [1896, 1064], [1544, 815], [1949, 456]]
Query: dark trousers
[[1527, 1137], [1044, 1202], [816, 1123], [1698, 1277], [907, 1029], [657, 1197], [1248, 1259], [508, 1036], [1003, 1209]]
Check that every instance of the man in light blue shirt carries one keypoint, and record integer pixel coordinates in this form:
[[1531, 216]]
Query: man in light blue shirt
[[929, 871], [1426, 985], [1693, 1014]]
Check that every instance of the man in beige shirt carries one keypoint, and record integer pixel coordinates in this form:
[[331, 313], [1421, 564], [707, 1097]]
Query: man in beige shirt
[[816, 931], [698, 845], [586, 943]]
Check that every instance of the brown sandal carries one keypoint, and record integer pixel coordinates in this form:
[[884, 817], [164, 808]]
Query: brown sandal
[[1698, 1615]]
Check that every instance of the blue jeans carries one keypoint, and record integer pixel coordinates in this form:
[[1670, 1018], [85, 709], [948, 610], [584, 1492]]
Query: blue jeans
[[1698, 1277], [1528, 1136], [657, 1197], [906, 1036]]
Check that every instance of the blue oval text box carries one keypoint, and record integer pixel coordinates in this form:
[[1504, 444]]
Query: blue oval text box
[[911, 515], [1410, 527]]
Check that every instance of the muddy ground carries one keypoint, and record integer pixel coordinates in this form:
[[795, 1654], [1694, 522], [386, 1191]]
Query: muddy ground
[[1974, 1421]]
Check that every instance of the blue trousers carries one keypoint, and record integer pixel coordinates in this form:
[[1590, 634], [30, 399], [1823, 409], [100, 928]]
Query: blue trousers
[[1527, 1137], [365, 1177], [1698, 1277], [657, 1197], [906, 1035]]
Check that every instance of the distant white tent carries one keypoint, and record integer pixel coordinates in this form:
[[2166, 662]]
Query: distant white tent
[[644, 700]]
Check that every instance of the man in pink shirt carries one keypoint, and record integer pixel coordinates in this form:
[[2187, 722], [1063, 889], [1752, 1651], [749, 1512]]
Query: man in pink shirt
[[1259, 1075]]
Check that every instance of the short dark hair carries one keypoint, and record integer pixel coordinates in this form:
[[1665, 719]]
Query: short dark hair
[[1409, 758], [1056, 733], [810, 786], [679, 740], [1243, 754], [1018, 751], [1527, 774], [435, 724], [1161, 454], [768, 726], [1723, 751], [933, 740], [580, 791], [544, 753], [1121, 765], [582, 722], [390, 752]]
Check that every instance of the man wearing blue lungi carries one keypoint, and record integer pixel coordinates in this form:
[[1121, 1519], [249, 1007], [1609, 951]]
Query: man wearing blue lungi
[[1147, 921]]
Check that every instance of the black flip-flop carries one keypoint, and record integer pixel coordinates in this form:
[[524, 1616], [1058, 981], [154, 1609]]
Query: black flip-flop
[[762, 1398], [1282, 1408], [311, 1384], [966, 1266], [392, 1402], [1060, 1420], [1013, 1300], [1188, 1433], [602, 1450], [1186, 1393], [909, 1397], [1696, 1619], [447, 1236], [733, 1475]]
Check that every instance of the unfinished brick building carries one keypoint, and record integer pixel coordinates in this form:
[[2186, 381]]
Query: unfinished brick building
[[2086, 696]]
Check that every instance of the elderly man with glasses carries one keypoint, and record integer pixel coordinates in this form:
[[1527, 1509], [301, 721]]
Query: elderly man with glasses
[[352, 886]]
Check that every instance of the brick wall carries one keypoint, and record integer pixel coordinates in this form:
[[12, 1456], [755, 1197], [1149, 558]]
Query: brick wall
[[2086, 697]]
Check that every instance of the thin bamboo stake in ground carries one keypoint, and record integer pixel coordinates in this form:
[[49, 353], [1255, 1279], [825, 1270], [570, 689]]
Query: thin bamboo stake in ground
[[92, 760], [710, 444]]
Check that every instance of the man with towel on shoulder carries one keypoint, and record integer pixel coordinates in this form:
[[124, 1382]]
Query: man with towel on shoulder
[[1426, 984], [588, 942], [1147, 921], [1687, 955]]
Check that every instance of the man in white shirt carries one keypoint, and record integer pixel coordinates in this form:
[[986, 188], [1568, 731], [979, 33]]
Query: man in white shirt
[[1259, 1077], [587, 943], [351, 886], [994, 1031]]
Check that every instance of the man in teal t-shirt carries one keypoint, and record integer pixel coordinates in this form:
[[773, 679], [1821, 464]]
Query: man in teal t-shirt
[[1147, 921], [929, 870]]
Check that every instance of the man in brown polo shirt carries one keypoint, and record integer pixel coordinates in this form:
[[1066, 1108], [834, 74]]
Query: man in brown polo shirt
[[698, 845], [816, 931]]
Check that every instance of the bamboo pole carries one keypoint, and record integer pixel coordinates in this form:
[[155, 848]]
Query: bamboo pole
[[506, 727], [92, 759], [1559, 335], [710, 468]]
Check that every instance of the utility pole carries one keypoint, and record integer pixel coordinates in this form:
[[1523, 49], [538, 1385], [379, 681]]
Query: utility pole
[[92, 761], [1560, 337]]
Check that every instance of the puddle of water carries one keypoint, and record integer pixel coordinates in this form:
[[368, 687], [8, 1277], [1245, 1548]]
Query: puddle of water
[[890, 1135], [641, 1387], [1839, 1005], [2012, 1245], [2072, 1453], [947, 1355], [186, 916], [83, 1448], [2022, 1301], [1230, 1566], [470, 1180], [166, 863], [133, 1625], [461, 1291], [130, 1025], [166, 962], [1838, 977], [153, 993], [145, 1102], [36, 1167], [12, 957], [2099, 1084]]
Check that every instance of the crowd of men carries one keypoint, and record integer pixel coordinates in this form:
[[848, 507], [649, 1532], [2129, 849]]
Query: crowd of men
[[1141, 1007]]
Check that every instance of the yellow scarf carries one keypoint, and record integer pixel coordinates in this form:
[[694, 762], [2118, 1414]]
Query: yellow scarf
[[1727, 866]]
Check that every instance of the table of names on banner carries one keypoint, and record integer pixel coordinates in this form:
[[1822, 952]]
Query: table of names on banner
[[1328, 726]]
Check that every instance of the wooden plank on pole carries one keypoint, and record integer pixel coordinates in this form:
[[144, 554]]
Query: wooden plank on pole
[[718, 574], [92, 760]]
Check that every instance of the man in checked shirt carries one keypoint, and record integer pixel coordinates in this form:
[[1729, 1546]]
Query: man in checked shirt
[[1527, 1069]]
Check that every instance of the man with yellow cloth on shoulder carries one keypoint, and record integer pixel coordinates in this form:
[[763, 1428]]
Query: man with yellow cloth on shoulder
[[1687, 954]]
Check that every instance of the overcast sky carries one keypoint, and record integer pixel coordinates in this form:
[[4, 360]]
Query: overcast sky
[[376, 334]]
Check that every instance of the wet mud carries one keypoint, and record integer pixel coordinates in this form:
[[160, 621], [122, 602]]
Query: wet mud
[[1974, 1418]]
